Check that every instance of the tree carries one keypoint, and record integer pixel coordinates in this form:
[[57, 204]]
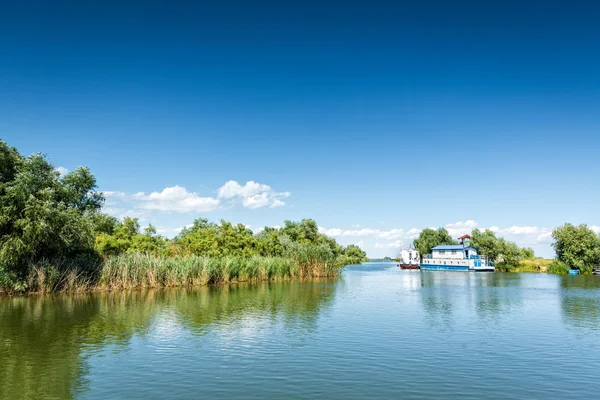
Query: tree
[[268, 242], [487, 244], [577, 246], [429, 238], [42, 215], [354, 253]]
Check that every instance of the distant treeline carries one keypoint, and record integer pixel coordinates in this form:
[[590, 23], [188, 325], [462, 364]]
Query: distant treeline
[[576, 247], [54, 236]]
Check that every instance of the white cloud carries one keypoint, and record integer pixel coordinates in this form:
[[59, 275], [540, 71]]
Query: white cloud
[[460, 228], [233, 189], [257, 201], [520, 230], [545, 237], [252, 194], [595, 228], [61, 170], [393, 245], [277, 203], [392, 234], [364, 232], [179, 199], [114, 194], [413, 233], [176, 199], [360, 243], [494, 229]]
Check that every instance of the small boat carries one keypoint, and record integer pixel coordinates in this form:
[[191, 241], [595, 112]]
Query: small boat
[[573, 272], [410, 259], [596, 271]]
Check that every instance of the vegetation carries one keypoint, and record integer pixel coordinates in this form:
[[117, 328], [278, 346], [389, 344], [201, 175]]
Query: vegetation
[[429, 238], [576, 247], [507, 256], [53, 236]]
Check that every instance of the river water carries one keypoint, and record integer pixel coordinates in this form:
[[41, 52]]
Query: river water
[[376, 332]]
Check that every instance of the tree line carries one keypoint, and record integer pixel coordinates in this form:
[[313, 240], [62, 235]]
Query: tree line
[[46, 216], [576, 247]]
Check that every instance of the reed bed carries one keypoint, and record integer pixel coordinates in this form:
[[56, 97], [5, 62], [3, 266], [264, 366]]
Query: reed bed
[[137, 270]]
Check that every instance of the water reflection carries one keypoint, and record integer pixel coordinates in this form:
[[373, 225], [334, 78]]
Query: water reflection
[[580, 301], [489, 296], [44, 341]]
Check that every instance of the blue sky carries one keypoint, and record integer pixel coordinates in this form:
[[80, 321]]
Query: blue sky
[[377, 119]]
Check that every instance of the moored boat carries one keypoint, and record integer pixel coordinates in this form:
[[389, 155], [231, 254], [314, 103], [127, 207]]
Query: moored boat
[[409, 259], [457, 257]]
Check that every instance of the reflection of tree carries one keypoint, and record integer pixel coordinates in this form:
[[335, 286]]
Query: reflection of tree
[[580, 300], [437, 298], [41, 339], [488, 294], [296, 303], [44, 341]]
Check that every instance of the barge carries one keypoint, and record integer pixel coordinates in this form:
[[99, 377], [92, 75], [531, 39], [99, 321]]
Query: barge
[[457, 257]]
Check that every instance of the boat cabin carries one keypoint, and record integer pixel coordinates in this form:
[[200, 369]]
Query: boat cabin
[[453, 251]]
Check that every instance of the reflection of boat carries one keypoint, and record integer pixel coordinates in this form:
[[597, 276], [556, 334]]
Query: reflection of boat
[[573, 272], [409, 259], [457, 257]]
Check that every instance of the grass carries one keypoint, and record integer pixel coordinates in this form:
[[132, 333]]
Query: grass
[[131, 271]]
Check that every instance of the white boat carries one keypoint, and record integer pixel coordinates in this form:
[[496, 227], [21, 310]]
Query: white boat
[[409, 259], [457, 257]]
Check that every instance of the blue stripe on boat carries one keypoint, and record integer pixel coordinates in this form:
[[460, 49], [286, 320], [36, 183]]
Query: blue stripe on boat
[[445, 267]]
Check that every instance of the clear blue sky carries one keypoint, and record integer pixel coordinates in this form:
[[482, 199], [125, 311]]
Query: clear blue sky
[[374, 116]]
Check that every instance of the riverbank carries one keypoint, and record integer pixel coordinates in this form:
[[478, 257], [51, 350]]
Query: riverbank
[[137, 271]]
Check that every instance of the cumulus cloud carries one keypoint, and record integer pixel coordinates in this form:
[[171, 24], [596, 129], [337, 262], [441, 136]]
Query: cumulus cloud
[[61, 170], [595, 228], [233, 189], [395, 233], [461, 227], [277, 203], [252, 194], [519, 230], [176, 199]]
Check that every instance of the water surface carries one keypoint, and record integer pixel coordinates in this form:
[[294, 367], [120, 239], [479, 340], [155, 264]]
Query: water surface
[[376, 332]]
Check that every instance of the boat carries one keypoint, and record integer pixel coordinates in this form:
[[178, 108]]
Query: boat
[[409, 259], [596, 271], [457, 257], [573, 272]]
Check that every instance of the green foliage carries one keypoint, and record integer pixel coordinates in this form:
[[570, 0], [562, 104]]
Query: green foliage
[[577, 246], [559, 267], [42, 215], [507, 255], [429, 238], [353, 254]]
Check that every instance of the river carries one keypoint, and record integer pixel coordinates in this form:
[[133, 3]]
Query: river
[[375, 332]]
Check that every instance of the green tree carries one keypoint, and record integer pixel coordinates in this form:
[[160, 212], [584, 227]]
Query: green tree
[[487, 244], [268, 242], [577, 246], [42, 215], [429, 238]]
